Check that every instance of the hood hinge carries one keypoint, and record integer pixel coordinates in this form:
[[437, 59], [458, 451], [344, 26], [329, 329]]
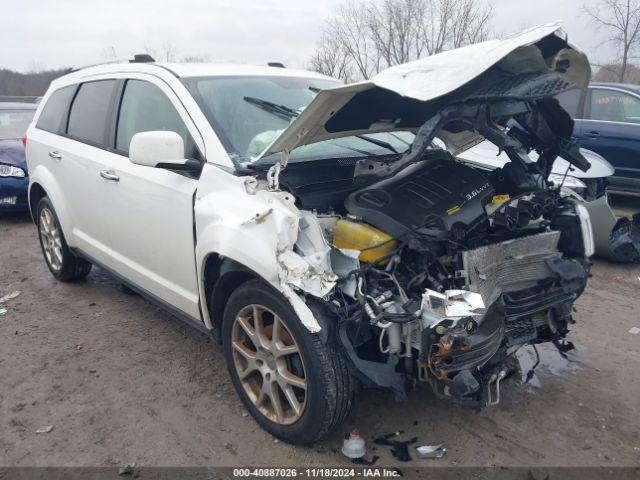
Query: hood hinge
[[273, 175]]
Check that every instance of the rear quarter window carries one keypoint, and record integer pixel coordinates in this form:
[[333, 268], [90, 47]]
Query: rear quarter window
[[89, 114], [55, 110]]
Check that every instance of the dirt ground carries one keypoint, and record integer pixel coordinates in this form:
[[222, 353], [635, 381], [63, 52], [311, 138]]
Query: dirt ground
[[122, 381]]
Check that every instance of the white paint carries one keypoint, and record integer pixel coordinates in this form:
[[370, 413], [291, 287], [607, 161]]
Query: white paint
[[152, 148]]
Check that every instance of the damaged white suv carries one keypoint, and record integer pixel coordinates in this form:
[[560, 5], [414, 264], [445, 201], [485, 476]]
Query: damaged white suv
[[317, 229]]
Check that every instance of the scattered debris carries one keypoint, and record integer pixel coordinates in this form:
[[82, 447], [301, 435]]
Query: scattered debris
[[619, 278], [10, 296], [353, 445], [364, 461], [431, 451], [78, 347], [232, 447], [127, 469], [634, 330], [3, 311], [399, 449], [45, 429]]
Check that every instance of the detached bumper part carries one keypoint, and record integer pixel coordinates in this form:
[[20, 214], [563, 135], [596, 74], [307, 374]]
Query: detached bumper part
[[625, 239]]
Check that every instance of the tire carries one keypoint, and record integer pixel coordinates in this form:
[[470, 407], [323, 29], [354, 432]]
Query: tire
[[62, 263], [327, 398]]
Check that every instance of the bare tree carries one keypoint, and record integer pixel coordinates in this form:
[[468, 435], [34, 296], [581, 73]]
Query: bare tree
[[330, 58], [365, 36], [166, 53], [469, 23], [350, 27], [109, 53], [620, 19]]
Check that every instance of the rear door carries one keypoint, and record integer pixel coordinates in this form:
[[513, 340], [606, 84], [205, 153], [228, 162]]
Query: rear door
[[73, 146], [151, 218], [612, 129]]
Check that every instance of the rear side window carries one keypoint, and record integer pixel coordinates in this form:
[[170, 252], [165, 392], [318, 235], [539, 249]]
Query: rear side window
[[89, 114], [55, 110], [145, 108], [614, 106]]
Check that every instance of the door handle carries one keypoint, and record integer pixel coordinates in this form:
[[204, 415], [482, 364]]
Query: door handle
[[55, 155], [592, 134], [109, 175]]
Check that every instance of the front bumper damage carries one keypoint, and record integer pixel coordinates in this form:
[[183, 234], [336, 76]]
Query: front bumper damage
[[528, 288], [616, 239]]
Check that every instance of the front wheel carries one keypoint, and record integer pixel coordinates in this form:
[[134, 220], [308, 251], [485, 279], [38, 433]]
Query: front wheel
[[295, 386], [62, 263]]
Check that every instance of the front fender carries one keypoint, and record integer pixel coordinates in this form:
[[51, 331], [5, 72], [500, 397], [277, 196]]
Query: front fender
[[253, 229]]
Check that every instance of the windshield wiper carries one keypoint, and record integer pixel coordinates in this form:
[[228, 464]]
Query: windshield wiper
[[380, 143], [275, 108], [289, 113]]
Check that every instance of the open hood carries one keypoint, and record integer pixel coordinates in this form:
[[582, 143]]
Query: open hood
[[404, 97]]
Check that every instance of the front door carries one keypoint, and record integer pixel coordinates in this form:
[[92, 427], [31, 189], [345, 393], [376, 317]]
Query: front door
[[151, 218]]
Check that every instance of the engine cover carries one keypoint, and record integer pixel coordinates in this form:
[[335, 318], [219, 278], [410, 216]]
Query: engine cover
[[435, 195]]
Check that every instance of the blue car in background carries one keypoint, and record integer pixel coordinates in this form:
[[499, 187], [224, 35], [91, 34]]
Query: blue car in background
[[607, 121], [14, 181]]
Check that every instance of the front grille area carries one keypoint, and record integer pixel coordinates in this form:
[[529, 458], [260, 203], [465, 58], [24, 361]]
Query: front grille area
[[509, 266]]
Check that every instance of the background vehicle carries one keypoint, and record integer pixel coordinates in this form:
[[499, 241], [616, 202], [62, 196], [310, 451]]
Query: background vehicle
[[607, 121], [615, 239], [343, 250], [14, 180]]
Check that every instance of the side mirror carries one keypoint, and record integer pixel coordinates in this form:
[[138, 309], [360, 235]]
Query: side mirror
[[155, 148]]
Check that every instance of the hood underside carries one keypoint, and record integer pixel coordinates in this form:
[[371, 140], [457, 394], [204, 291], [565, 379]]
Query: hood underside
[[404, 97]]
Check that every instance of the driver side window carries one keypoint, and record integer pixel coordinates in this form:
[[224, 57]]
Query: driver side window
[[145, 108]]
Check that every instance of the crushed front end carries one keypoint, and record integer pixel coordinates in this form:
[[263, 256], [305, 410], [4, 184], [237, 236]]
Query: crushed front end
[[432, 270], [446, 270]]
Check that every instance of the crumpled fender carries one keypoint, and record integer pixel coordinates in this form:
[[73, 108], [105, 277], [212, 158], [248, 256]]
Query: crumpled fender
[[257, 230]]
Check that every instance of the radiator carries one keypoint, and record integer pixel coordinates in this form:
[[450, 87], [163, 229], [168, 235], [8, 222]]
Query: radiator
[[509, 266]]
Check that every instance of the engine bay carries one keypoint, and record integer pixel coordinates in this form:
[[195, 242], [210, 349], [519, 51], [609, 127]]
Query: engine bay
[[443, 270]]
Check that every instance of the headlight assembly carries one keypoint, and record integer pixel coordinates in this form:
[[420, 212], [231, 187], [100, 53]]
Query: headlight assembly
[[11, 171]]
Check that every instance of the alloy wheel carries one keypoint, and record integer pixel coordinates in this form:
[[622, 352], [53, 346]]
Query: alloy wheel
[[267, 360], [51, 239]]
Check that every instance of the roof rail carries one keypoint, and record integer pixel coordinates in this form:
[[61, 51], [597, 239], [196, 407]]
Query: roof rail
[[109, 62], [137, 58]]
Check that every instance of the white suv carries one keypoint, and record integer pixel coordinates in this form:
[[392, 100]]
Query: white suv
[[314, 228]]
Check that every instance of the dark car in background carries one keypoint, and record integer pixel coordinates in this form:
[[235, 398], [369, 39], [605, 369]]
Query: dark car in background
[[14, 120], [607, 121]]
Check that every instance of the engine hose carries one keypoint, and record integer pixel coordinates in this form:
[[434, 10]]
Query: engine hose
[[396, 317]]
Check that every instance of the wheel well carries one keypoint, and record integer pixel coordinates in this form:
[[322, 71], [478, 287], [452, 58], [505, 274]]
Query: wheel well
[[35, 195], [221, 278]]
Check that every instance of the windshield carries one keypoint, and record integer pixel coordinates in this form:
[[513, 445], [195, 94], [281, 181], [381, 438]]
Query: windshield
[[248, 113], [14, 123]]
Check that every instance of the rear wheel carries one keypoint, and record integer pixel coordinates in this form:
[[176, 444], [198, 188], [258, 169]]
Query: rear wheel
[[293, 384], [62, 263]]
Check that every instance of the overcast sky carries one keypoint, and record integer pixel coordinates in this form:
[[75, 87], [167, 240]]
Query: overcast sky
[[51, 34]]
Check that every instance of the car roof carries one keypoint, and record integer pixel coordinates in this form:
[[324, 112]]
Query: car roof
[[622, 86], [189, 70], [17, 106]]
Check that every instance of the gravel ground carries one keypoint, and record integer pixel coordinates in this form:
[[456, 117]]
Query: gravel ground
[[122, 381]]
